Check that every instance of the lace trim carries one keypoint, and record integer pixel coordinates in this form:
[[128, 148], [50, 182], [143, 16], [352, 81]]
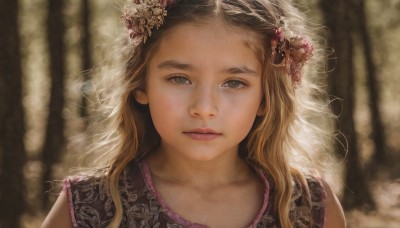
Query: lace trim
[[68, 191]]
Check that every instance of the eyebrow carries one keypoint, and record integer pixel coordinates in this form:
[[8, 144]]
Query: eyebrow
[[240, 70], [173, 64]]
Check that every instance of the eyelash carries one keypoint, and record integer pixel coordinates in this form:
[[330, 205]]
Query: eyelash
[[174, 79], [239, 84]]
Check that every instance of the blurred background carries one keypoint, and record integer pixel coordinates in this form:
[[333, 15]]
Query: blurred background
[[47, 48]]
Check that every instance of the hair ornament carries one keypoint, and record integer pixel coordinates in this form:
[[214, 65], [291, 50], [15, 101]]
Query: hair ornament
[[142, 16], [291, 51]]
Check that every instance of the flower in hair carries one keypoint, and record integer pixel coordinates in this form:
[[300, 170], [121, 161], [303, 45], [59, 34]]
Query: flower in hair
[[143, 16], [291, 51]]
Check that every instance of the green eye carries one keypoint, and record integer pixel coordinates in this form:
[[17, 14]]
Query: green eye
[[235, 84], [179, 80]]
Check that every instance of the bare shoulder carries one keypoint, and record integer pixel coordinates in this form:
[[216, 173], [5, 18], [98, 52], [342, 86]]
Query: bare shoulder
[[334, 212], [59, 215]]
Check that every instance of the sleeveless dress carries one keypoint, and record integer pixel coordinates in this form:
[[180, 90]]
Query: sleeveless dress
[[91, 205]]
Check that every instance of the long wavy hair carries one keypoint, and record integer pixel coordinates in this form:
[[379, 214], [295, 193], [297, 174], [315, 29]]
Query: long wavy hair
[[295, 123]]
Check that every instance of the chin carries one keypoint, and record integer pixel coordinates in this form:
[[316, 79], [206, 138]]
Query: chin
[[203, 156]]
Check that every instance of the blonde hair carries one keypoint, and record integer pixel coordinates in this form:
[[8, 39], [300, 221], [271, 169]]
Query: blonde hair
[[288, 129]]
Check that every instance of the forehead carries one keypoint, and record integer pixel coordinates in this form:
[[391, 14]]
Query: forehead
[[215, 27], [198, 41]]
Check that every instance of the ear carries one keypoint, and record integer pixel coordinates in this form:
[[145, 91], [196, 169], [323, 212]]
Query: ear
[[141, 97], [261, 110]]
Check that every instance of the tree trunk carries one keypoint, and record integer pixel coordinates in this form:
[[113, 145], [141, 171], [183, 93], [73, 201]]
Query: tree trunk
[[86, 57], [12, 150], [372, 83], [341, 82], [54, 138]]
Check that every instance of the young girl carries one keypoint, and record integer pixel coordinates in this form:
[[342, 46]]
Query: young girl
[[208, 123]]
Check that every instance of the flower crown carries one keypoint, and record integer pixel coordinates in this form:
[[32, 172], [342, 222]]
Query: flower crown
[[288, 49], [291, 51]]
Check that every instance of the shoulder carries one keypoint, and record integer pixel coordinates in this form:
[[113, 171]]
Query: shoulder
[[86, 202], [80, 186], [59, 215], [79, 193], [326, 208], [80, 198], [333, 210], [77, 185], [316, 195], [62, 213]]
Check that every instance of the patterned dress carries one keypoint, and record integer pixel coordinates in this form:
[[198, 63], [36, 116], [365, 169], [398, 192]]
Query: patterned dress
[[91, 204]]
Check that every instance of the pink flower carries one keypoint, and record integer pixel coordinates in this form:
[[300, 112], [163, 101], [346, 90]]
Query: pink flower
[[291, 52]]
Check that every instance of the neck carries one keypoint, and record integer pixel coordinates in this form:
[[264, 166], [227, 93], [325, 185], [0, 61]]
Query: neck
[[205, 174]]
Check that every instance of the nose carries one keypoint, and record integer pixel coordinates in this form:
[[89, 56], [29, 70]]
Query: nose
[[204, 104]]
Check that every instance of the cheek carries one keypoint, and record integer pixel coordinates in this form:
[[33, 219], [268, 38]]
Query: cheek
[[166, 101], [243, 113], [165, 109]]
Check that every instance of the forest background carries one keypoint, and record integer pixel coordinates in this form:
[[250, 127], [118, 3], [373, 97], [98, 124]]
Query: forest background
[[47, 48]]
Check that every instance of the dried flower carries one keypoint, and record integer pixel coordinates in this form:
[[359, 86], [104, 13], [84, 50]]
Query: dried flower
[[291, 51], [142, 17]]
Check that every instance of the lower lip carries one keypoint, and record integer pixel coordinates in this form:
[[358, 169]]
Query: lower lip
[[202, 137]]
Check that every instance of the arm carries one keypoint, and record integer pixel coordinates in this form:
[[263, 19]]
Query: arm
[[59, 216], [333, 210]]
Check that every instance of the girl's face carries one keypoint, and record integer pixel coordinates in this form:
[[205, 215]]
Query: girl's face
[[203, 89]]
